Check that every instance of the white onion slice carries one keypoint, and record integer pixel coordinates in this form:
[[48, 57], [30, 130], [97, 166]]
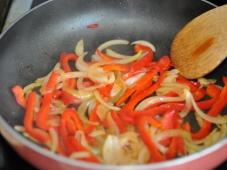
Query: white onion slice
[[54, 139], [188, 104], [115, 54], [145, 43], [172, 133], [112, 43], [79, 155], [101, 100]]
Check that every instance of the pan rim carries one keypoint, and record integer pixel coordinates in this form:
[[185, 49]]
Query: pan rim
[[4, 126]]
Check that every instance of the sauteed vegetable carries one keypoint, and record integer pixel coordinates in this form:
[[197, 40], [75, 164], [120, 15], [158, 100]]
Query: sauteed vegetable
[[120, 109]]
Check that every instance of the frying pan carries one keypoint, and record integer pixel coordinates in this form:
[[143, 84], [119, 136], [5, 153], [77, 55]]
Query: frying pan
[[30, 48]]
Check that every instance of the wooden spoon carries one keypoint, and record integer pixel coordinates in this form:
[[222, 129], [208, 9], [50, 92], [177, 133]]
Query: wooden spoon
[[202, 44]]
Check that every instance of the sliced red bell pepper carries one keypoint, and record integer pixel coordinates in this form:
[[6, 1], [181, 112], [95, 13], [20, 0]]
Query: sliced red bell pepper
[[42, 115], [155, 155], [199, 94], [172, 150], [52, 82], [69, 99], [75, 146], [213, 90], [116, 67], [36, 133], [143, 94], [214, 111], [191, 84], [144, 81], [65, 58], [106, 90], [93, 117], [19, 95], [119, 122], [145, 60]]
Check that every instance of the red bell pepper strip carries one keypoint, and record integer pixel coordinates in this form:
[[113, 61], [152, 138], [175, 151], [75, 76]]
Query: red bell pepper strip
[[191, 84], [106, 90], [213, 90], [180, 146], [214, 111], [65, 97], [116, 67], [164, 64], [36, 133], [143, 94], [65, 58], [93, 117], [172, 151], [144, 81], [120, 124], [52, 82], [156, 156], [42, 115], [75, 146], [19, 95], [199, 94], [145, 60]]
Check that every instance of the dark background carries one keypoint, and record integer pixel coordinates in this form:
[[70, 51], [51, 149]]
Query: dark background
[[9, 160]]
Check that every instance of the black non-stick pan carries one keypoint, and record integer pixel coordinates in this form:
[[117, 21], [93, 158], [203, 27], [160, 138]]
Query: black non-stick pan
[[31, 47]]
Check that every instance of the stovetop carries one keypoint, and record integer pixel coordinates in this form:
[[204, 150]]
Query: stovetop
[[9, 159]]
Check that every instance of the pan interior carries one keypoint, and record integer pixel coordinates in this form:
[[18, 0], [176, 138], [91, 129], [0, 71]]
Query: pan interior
[[31, 47]]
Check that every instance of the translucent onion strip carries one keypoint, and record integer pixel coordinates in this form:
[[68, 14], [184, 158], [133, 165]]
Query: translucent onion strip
[[112, 43], [54, 139], [19, 128], [79, 155], [101, 100], [188, 105], [145, 43], [172, 133], [115, 54]]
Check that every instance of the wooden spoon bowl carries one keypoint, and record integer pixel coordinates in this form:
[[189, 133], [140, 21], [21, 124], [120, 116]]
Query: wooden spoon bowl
[[202, 44]]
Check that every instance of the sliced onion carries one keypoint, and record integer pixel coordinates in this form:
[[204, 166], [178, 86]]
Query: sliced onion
[[145, 43], [188, 105], [19, 128], [172, 133], [80, 63], [79, 49], [80, 155], [80, 94], [112, 43], [112, 126], [96, 133], [157, 99], [54, 139], [75, 74], [204, 82], [215, 120], [101, 100], [115, 54], [124, 149], [102, 112], [95, 57], [130, 59]]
